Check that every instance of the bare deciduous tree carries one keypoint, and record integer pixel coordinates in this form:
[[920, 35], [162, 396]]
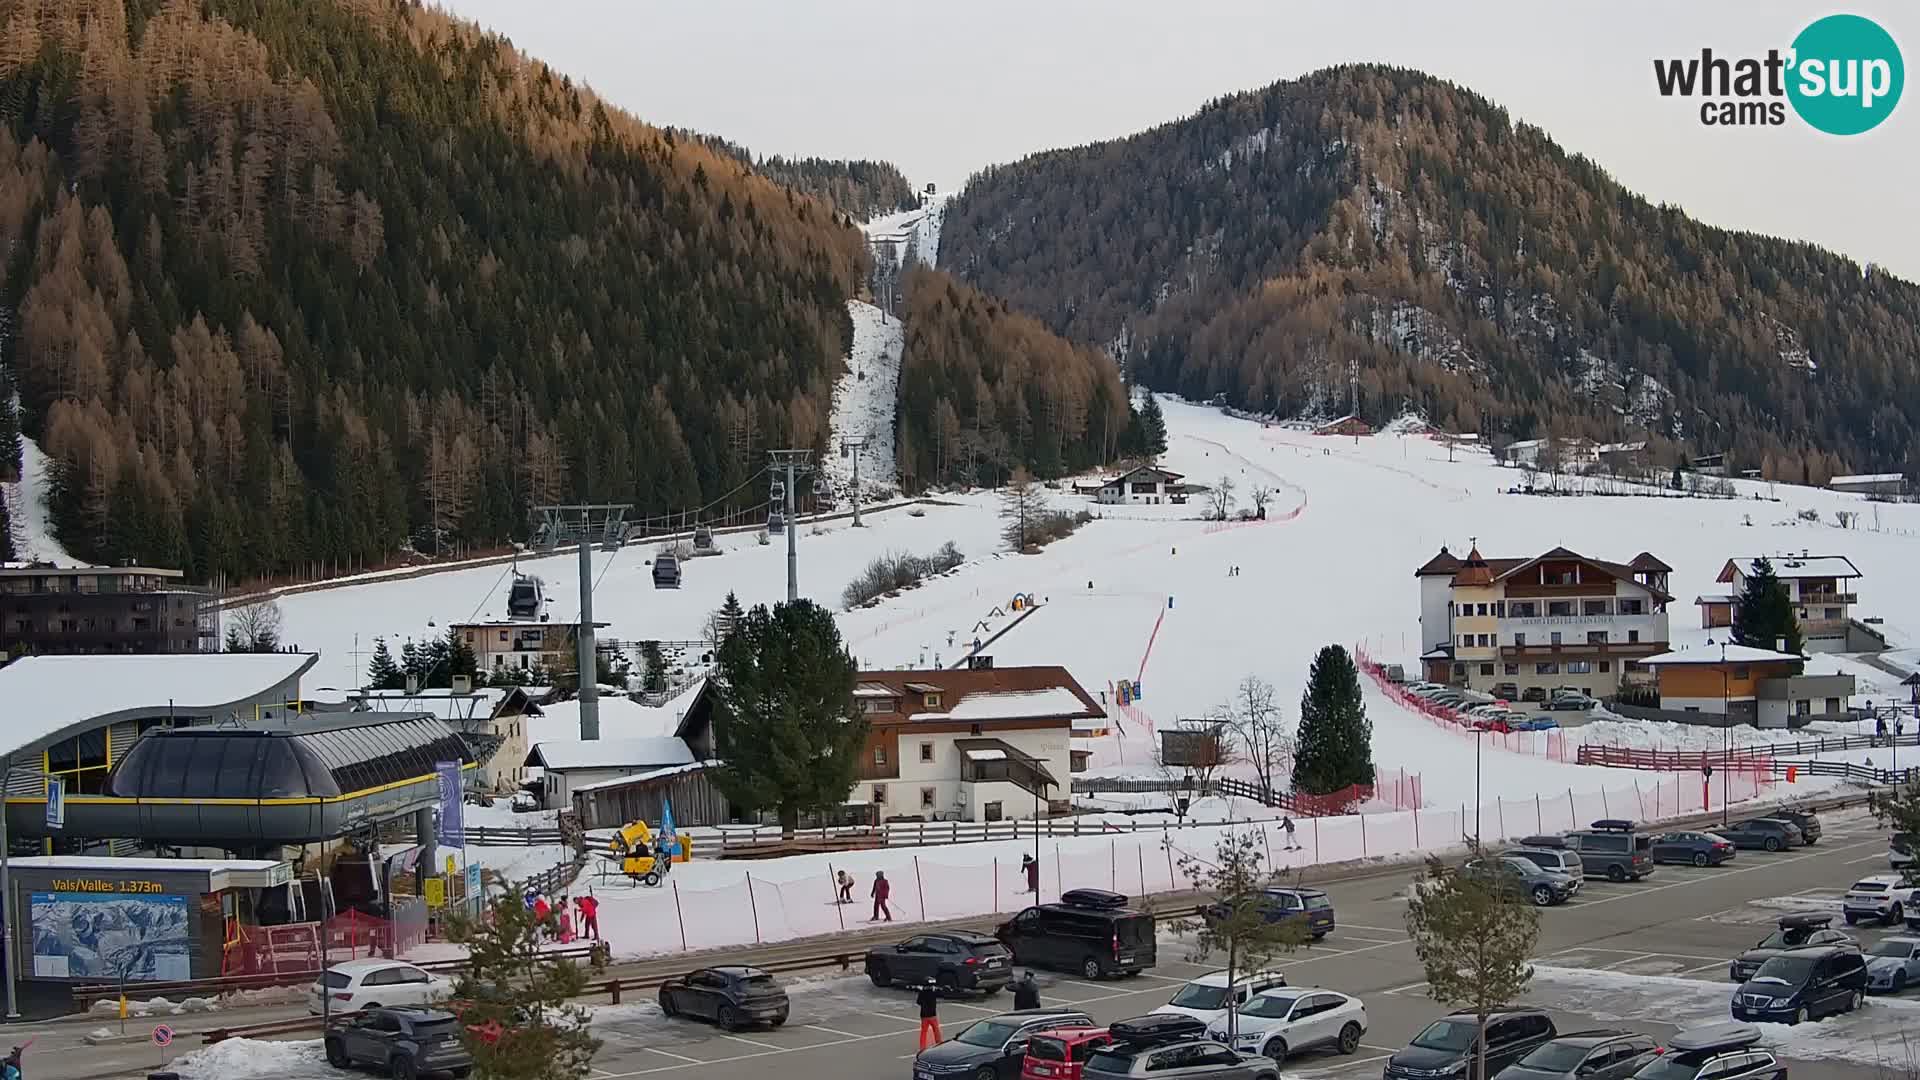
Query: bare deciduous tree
[[1260, 728], [1195, 751], [1221, 497], [254, 628], [1261, 496]]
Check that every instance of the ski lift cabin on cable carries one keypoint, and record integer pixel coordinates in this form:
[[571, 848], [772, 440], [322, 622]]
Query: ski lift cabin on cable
[[527, 596], [666, 571], [702, 540], [778, 492], [776, 523]]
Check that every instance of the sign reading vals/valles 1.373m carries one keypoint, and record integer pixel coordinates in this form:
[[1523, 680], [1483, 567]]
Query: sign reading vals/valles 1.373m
[[102, 885]]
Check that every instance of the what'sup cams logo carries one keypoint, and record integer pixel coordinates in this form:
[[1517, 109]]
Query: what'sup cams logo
[[1842, 75]]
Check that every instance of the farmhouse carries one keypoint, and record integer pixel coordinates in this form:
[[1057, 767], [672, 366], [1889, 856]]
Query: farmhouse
[[1142, 484]]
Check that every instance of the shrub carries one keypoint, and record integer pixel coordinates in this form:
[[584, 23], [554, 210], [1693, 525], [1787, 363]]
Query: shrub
[[1054, 525], [897, 570]]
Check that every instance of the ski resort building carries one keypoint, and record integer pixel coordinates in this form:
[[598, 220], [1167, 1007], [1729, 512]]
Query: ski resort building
[[52, 610], [1142, 484], [1749, 686], [1820, 587], [521, 644], [1889, 485], [492, 719], [1522, 628], [981, 744]]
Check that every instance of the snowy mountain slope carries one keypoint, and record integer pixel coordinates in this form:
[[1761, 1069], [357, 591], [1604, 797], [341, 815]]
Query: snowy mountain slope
[[1145, 594], [912, 235], [33, 539], [865, 398]]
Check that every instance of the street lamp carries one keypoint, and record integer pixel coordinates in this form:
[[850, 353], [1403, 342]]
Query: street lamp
[[1478, 732], [1726, 733]]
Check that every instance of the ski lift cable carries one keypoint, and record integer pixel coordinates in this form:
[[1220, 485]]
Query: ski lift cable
[[428, 674]]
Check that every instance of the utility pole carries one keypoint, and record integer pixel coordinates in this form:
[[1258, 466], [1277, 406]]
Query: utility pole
[[586, 522], [796, 463], [851, 446]]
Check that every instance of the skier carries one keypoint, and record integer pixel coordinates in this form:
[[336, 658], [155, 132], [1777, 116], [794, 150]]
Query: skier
[[589, 916], [846, 887], [1286, 822], [1031, 869], [879, 894], [929, 999], [1879, 730], [1026, 993], [541, 912]]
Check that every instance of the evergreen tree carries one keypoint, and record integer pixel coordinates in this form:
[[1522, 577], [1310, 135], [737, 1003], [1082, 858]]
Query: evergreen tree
[[460, 659], [413, 664], [7, 552], [1335, 748], [654, 679], [730, 616], [382, 672], [518, 1017], [1763, 613], [1153, 428], [1473, 935], [784, 720]]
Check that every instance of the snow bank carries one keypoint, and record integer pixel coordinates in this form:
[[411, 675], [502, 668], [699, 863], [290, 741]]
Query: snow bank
[[246, 1059]]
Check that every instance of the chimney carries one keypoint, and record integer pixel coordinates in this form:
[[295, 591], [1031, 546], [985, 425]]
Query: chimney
[[1779, 644]]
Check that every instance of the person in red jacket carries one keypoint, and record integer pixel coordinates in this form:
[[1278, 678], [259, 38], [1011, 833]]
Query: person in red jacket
[[880, 891], [589, 916]]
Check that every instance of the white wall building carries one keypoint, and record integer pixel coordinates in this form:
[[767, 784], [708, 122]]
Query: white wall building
[[1143, 484]]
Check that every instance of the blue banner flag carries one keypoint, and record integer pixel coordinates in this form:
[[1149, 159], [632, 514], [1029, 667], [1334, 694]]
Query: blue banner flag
[[666, 827], [453, 829]]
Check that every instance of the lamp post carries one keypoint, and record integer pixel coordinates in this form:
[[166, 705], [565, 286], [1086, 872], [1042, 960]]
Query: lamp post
[[1478, 739], [1726, 733]]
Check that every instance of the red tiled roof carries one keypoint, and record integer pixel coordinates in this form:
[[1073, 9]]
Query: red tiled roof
[[958, 684]]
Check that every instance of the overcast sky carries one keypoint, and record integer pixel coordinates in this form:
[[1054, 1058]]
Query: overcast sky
[[942, 89]]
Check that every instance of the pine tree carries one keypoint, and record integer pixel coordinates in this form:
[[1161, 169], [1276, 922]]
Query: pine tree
[[784, 720], [1335, 748], [518, 1017], [413, 664], [730, 616], [460, 659], [654, 679], [1763, 614], [382, 672], [1473, 934], [1153, 429]]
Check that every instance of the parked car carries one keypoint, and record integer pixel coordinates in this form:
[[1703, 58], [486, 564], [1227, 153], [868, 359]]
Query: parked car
[[1535, 694], [1613, 847], [1448, 1046], [1893, 964], [1062, 1054], [406, 1042], [1295, 1020], [1090, 931], [953, 960], [1809, 824], [1312, 905], [994, 1048], [1506, 691], [1207, 999], [369, 984], [1691, 848], [732, 997], [1551, 853], [1523, 878], [1902, 850], [1767, 834], [1585, 1055], [1562, 701], [1200, 1059], [1793, 932], [1719, 1051], [1882, 896], [1804, 984]]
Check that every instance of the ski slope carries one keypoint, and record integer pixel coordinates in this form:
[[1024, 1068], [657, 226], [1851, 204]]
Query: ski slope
[[1349, 522], [33, 539], [863, 399]]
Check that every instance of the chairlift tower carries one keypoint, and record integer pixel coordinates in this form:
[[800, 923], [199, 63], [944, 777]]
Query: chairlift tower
[[794, 464], [584, 524], [851, 446]]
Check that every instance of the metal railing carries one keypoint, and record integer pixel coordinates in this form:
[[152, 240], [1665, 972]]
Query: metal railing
[[1747, 756]]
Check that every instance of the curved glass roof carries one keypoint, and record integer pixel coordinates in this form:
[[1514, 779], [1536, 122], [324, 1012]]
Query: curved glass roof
[[324, 758]]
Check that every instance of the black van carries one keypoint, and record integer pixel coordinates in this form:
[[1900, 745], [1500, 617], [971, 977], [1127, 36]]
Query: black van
[[1090, 931], [1804, 984]]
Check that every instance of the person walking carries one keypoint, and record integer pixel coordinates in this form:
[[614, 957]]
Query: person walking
[[1286, 822], [589, 917], [881, 890], [564, 914], [929, 999], [542, 912], [1026, 993], [1031, 868], [1879, 730]]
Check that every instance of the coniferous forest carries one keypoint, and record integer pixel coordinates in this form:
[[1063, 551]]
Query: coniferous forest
[[296, 283], [1468, 266]]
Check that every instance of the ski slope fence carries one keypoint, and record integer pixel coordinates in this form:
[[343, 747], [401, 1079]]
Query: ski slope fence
[[1549, 743], [795, 897]]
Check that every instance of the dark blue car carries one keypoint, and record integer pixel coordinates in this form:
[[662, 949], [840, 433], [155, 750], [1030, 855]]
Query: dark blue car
[[1313, 905]]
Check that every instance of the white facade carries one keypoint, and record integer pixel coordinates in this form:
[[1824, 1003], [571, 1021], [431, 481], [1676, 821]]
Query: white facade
[[929, 784], [1147, 486], [1436, 607]]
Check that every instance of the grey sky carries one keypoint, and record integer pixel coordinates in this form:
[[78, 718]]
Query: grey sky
[[942, 89]]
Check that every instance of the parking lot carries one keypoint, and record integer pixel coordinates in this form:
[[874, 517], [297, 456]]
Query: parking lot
[[1650, 956]]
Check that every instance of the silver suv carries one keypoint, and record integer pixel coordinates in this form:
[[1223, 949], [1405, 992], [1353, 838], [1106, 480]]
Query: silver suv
[[1550, 853], [1200, 1059]]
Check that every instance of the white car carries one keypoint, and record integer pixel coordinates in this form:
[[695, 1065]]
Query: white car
[[1288, 1021], [1206, 998], [365, 984], [1882, 896]]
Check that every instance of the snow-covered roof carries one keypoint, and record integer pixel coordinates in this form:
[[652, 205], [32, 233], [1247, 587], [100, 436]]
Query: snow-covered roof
[[1714, 598], [1014, 704], [98, 864], [563, 754], [987, 755], [1795, 566], [1867, 478], [874, 690], [46, 696], [479, 705], [1711, 654], [650, 774]]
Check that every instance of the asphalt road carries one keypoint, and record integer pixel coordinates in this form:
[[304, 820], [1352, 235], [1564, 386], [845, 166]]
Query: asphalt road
[[1644, 956]]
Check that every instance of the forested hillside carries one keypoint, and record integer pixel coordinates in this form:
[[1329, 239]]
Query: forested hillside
[[296, 282], [1468, 265], [984, 389], [865, 189]]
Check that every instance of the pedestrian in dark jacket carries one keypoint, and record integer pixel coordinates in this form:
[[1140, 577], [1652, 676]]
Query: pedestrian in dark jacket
[[1031, 867], [929, 999], [1026, 993], [880, 891]]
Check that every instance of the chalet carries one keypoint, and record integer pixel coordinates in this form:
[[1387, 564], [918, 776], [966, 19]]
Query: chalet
[[571, 764], [978, 744], [1748, 686], [1820, 587], [643, 794], [1890, 485], [519, 644], [1142, 484], [1346, 425], [1524, 627]]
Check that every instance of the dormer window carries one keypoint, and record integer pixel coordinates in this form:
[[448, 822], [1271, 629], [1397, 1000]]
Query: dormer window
[[932, 701]]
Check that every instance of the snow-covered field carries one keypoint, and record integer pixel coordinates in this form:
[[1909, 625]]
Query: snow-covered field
[[863, 399]]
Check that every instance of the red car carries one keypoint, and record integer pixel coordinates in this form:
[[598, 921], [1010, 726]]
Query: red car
[[1062, 1054]]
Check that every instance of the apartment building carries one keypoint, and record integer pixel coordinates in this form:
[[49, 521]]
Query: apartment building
[[1821, 588], [1521, 628], [51, 610]]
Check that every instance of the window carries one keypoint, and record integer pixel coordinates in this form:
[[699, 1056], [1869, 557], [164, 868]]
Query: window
[[1579, 667], [1833, 705], [1606, 666], [1525, 609], [1460, 669], [1466, 609], [1633, 606], [469, 637], [1511, 669], [1466, 641], [503, 636], [926, 798], [1596, 637], [1500, 608], [1548, 668], [933, 701], [1480, 640], [926, 751], [1519, 640], [1803, 707], [879, 794], [876, 704], [1554, 637], [1633, 636], [1480, 609], [1559, 607], [1486, 669], [1742, 672], [879, 755], [993, 811], [1593, 607], [1830, 613]]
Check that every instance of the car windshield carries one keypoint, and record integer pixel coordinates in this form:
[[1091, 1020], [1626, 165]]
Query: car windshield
[[1272, 1007], [1787, 970], [1556, 1057], [1901, 949], [987, 1033], [1197, 996], [1318, 903], [1445, 1035]]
